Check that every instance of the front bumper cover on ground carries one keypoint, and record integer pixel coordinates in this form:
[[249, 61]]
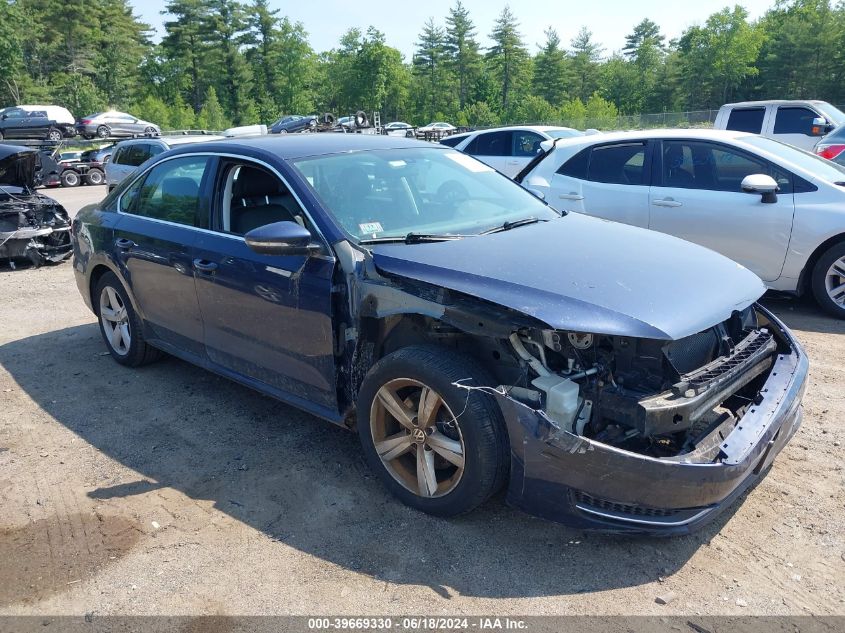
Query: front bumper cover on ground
[[577, 481]]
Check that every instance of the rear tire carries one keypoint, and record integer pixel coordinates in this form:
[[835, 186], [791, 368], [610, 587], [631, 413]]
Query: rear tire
[[95, 177], [54, 135], [114, 312], [419, 459], [828, 280], [70, 178]]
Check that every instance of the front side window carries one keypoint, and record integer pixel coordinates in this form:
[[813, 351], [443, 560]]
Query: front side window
[[621, 164], [136, 154], [391, 193], [746, 120], [701, 165], [170, 191], [526, 143], [15, 113], [794, 121]]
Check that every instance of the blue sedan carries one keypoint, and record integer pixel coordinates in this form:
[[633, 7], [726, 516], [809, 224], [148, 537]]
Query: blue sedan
[[610, 377]]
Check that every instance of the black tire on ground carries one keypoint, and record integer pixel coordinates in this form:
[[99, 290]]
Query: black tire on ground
[[95, 176], [103, 131], [820, 275], [70, 178], [486, 447], [54, 134], [139, 352]]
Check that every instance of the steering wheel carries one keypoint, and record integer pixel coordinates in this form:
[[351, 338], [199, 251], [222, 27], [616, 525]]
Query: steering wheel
[[452, 193]]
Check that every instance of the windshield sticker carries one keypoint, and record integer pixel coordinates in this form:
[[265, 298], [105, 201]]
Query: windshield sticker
[[470, 163], [371, 227]]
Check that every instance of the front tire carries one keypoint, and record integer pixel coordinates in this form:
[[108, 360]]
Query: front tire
[[119, 324], [829, 280], [54, 135], [438, 447], [103, 131]]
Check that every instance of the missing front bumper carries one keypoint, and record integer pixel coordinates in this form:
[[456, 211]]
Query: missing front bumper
[[584, 483]]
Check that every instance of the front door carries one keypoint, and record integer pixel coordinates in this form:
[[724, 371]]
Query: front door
[[154, 238], [266, 317], [698, 197]]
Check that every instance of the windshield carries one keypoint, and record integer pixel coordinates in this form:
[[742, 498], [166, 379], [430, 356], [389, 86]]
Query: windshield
[[391, 193], [817, 166], [563, 133]]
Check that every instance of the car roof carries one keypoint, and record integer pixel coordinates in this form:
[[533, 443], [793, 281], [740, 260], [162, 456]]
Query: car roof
[[692, 133], [292, 146], [794, 102]]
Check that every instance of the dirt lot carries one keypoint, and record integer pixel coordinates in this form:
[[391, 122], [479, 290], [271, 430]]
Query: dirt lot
[[168, 490]]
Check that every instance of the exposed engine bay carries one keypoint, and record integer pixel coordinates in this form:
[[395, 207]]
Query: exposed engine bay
[[33, 227], [658, 398]]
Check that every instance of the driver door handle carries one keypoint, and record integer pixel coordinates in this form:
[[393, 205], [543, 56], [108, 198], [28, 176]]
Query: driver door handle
[[572, 195], [205, 266], [667, 202]]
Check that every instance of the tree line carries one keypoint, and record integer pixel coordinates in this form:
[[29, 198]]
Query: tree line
[[225, 62]]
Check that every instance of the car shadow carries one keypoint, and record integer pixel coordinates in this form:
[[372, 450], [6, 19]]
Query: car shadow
[[304, 482], [803, 314]]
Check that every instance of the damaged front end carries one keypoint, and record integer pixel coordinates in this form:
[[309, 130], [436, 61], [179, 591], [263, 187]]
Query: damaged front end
[[33, 227], [626, 434]]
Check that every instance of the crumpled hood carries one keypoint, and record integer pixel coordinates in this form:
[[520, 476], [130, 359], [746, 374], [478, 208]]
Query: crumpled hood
[[586, 274], [18, 166]]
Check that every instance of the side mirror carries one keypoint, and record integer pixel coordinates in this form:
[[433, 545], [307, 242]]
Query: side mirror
[[820, 127], [281, 238], [762, 184], [4, 117]]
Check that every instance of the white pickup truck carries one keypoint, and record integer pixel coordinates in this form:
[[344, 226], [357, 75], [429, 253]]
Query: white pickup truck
[[798, 123]]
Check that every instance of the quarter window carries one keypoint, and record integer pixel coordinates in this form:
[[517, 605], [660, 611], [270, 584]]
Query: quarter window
[[746, 120], [171, 191], [794, 121], [622, 164]]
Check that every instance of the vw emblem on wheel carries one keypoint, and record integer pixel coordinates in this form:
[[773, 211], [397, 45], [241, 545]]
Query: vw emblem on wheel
[[418, 434]]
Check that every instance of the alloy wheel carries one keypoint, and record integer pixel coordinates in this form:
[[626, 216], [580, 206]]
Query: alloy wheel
[[115, 320], [417, 437], [835, 282]]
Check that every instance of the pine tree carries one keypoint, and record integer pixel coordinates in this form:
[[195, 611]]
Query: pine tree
[[586, 55], [224, 28], [508, 58], [461, 50], [184, 44], [429, 61], [645, 31], [551, 70]]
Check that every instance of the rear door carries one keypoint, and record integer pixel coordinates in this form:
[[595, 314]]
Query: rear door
[[493, 148], [610, 181], [697, 196], [746, 119], [154, 238], [266, 317]]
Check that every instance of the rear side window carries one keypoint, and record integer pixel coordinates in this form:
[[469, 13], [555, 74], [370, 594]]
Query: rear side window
[[746, 120], [622, 164], [794, 121], [171, 191], [492, 144], [576, 167]]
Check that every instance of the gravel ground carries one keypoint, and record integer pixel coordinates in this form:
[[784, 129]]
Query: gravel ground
[[169, 490]]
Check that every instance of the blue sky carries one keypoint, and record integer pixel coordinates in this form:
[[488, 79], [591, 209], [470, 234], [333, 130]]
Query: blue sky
[[609, 20]]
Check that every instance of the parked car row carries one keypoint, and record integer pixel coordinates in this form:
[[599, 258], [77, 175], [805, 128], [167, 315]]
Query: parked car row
[[53, 123], [476, 337]]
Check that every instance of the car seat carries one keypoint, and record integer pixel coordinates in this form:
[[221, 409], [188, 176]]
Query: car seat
[[258, 199]]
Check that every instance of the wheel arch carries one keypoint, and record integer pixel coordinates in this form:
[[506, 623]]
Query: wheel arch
[[806, 280], [97, 271]]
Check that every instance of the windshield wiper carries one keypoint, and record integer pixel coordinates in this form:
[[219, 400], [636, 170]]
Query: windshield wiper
[[414, 238], [512, 224]]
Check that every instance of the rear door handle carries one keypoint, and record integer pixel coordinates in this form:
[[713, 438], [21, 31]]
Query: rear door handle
[[572, 195], [205, 266], [123, 243], [667, 202]]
